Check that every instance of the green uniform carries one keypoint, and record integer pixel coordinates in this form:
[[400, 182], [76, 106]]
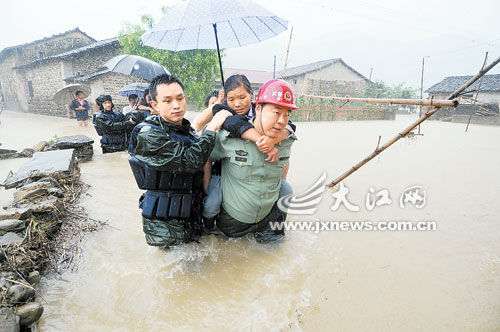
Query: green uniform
[[250, 185]]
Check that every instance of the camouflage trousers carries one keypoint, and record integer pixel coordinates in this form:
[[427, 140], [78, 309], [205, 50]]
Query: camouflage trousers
[[165, 233]]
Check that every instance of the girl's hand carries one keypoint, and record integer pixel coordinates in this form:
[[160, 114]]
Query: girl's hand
[[273, 156], [265, 144]]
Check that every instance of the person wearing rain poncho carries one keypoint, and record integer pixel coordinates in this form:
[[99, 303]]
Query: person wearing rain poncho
[[112, 125], [167, 159]]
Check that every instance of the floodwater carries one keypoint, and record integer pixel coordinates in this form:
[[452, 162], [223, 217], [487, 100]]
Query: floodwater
[[446, 279]]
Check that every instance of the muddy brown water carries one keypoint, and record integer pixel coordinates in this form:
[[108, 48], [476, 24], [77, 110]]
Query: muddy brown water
[[442, 280]]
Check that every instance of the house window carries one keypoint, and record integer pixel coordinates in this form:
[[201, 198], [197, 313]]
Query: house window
[[30, 89]]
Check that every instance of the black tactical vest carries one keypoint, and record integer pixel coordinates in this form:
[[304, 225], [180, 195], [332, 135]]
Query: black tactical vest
[[112, 140], [169, 195]]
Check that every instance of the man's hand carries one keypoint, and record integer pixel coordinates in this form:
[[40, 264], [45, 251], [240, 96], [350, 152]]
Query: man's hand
[[273, 155], [265, 144], [132, 121], [218, 120]]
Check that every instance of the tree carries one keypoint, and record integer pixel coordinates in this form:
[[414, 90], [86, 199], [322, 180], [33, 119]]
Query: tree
[[380, 90], [196, 69]]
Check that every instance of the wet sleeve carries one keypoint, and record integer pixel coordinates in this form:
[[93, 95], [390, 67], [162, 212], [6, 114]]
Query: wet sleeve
[[106, 125], [73, 105], [291, 127], [236, 125], [155, 148], [218, 151]]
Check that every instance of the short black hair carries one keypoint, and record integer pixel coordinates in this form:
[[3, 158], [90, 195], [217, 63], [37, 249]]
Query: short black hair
[[214, 93], [235, 81], [78, 92], [162, 79], [132, 96]]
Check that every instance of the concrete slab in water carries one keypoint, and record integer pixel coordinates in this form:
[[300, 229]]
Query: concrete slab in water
[[42, 164]]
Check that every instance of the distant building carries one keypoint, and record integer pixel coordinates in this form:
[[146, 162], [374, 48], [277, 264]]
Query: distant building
[[31, 73], [489, 89], [327, 77]]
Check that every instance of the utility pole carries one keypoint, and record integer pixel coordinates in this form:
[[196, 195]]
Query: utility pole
[[286, 58], [371, 71], [421, 90], [274, 68]]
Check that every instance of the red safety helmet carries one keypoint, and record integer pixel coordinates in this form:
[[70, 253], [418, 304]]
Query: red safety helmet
[[277, 92]]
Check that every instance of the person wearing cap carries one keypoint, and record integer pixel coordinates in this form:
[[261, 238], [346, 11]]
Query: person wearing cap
[[250, 184], [112, 126], [167, 159], [81, 108]]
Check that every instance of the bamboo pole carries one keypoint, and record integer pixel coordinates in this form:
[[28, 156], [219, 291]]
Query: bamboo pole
[[477, 93], [286, 58], [391, 101], [402, 134]]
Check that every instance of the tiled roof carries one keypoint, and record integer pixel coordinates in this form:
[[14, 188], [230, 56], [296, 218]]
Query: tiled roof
[[10, 48], [96, 45], [452, 83], [88, 77], [301, 70]]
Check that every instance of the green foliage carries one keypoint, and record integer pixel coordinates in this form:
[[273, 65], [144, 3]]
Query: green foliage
[[196, 69], [380, 90]]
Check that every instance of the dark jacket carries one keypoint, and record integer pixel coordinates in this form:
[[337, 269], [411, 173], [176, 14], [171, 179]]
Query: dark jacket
[[236, 125], [167, 160], [114, 129]]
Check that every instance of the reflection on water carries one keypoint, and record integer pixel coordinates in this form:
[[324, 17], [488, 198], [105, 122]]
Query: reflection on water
[[444, 280]]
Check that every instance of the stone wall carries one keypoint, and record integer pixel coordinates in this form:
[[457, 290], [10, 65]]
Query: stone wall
[[8, 79], [54, 46], [92, 60], [335, 79], [40, 81], [45, 79], [15, 89], [335, 88], [483, 110]]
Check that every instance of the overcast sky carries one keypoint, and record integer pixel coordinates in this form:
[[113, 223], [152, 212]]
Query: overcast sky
[[390, 36]]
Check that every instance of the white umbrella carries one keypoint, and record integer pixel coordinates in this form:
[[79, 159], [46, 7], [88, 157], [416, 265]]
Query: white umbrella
[[67, 94], [213, 24]]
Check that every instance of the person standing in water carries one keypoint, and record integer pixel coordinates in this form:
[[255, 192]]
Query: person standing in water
[[250, 184], [238, 96], [167, 160], [112, 126], [81, 108]]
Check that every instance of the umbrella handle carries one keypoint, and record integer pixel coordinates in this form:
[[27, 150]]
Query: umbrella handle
[[218, 53]]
